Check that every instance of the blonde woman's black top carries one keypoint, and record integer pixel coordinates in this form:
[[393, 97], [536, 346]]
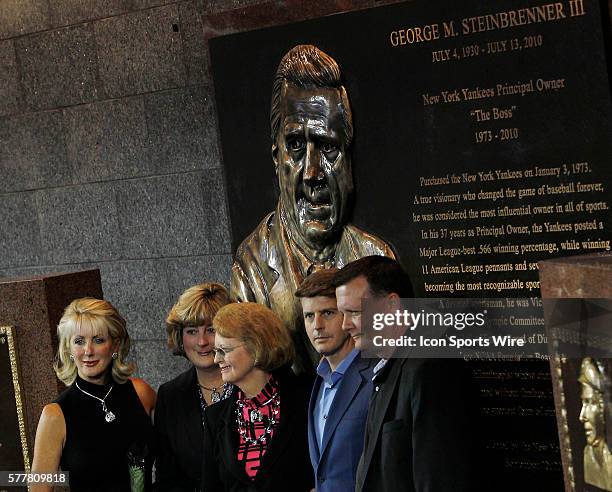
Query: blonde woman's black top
[[99, 449]]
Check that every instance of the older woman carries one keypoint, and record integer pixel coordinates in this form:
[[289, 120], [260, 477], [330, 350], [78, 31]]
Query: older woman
[[181, 402], [103, 416], [256, 440]]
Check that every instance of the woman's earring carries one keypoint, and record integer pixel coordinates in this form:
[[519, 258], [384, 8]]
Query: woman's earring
[[115, 355], [71, 357]]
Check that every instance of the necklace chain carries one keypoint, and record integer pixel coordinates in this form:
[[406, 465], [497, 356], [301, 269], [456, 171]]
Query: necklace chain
[[108, 415], [214, 388], [215, 394], [256, 416]]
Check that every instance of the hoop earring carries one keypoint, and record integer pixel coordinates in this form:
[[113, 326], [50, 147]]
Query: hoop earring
[[115, 355]]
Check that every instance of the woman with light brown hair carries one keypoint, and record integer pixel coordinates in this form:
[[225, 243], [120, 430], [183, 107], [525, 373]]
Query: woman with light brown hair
[[256, 440], [100, 425], [181, 402]]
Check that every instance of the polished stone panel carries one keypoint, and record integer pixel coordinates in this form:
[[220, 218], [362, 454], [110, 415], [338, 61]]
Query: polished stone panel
[[195, 51], [584, 276], [108, 140], [215, 208], [65, 12], [20, 244], [139, 52], [250, 14], [182, 130], [79, 224], [139, 290], [209, 7], [155, 362], [32, 152], [162, 216], [58, 68], [182, 273], [10, 91], [19, 17]]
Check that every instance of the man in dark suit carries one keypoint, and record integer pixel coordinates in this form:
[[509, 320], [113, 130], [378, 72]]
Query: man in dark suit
[[419, 432], [339, 399]]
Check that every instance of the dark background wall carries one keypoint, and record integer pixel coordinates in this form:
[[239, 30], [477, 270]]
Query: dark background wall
[[109, 154]]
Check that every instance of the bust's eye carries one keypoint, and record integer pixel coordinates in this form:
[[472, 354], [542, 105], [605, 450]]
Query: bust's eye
[[330, 150], [327, 147], [295, 144]]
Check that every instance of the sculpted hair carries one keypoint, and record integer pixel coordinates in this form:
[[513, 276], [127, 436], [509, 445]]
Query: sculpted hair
[[592, 373], [318, 284], [306, 66], [196, 306], [262, 331], [384, 276], [95, 317]]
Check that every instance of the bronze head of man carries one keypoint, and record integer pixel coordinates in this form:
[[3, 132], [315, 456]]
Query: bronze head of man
[[312, 132]]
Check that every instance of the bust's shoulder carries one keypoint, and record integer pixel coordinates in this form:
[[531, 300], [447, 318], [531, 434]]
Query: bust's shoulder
[[365, 243], [253, 246]]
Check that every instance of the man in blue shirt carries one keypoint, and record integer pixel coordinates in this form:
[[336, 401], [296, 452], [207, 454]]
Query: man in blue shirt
[[340, 396]]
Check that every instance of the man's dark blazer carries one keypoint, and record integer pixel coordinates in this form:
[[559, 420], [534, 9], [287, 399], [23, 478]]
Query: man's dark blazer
[[420, 429], [178, 426], [284, 467], [342, 443]]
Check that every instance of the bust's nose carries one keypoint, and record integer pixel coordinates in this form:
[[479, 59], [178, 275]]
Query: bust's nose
[[313, 171]]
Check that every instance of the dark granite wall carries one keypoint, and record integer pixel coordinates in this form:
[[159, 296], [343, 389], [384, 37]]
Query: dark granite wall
[[109, 151], [108, 154]]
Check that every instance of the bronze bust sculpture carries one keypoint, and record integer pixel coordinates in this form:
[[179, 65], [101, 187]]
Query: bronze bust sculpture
[[312, 131], [597, 456]]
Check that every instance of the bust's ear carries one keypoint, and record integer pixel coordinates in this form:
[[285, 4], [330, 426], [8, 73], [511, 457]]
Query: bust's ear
[[275, 157]]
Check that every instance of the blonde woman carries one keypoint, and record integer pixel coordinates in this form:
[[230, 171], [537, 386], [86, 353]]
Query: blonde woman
[[102, 421], [181, 402]]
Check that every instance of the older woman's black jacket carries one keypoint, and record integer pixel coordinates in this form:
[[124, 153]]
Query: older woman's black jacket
[[286, 464]]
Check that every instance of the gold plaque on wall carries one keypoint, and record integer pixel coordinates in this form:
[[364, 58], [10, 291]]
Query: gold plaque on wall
[[14, 450]]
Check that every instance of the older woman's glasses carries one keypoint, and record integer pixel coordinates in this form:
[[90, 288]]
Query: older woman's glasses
[[223, 351]]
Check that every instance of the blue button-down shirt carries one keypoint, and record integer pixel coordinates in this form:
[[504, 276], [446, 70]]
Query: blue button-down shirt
[[327, 391]]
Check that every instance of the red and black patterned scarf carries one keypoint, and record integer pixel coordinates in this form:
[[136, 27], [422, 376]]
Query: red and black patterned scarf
[[256, 417]]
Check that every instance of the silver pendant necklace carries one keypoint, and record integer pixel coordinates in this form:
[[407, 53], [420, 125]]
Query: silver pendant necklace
[[215, 396], [108, 415]]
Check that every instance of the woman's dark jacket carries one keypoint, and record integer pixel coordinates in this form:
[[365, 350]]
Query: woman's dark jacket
[[286, 464], [178, 426]]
